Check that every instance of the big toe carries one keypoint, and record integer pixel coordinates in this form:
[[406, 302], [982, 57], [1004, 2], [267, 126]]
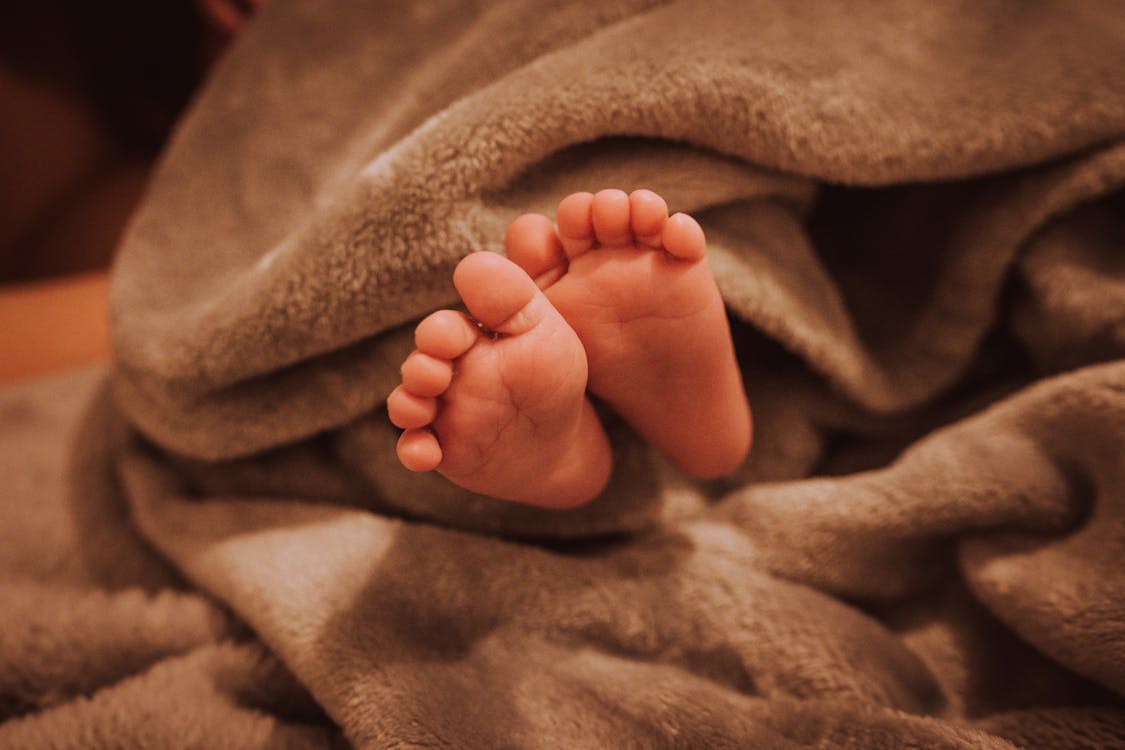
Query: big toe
[[498, 293], [533, 244], [576, 230]]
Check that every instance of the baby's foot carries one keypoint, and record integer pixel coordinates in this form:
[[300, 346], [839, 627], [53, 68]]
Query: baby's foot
[[501, 411], [636, 287]]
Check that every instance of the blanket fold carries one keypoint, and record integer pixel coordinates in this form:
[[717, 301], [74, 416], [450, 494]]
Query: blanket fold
[[913, 212]]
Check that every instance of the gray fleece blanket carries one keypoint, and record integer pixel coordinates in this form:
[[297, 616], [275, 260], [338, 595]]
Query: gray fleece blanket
[[915, 215]]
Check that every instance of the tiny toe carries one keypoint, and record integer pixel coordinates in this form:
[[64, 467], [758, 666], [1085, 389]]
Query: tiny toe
[[418, 450], [425, 375], [649, 212], [410, 411], [683, 238], [445, 334], [576, 229], [533, 245], [610, 216], [499, 293]]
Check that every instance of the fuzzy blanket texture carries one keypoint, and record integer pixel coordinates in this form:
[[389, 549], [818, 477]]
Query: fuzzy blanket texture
[[916, 217]]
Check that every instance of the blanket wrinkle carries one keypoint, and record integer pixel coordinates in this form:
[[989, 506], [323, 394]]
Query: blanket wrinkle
[[401, 212], [219, 691], [1066, 267], [61, 643], [870, 524], [556, 598], [913, 215]]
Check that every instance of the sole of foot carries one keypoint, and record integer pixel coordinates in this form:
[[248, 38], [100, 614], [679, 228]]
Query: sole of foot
[[497, 403], [635, 285]]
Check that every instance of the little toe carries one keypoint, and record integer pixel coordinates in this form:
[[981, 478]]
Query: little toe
[[418, 450], [576, 229], [445, 334], [683, 238], [409, 411], [425, 375], [648, 213], [533, 245], [499, 293], [610, 216]]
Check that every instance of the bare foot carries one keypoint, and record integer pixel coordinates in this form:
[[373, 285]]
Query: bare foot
[[501, 411], [636, 287]]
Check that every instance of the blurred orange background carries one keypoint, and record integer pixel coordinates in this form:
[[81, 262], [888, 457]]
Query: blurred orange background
[[88, 95]]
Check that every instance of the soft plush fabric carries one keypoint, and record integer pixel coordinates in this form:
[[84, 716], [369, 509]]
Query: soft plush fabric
[[916, 219]]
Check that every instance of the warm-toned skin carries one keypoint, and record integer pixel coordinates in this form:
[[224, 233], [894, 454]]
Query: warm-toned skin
[[620, 300], [636, 287], [505, 415]]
